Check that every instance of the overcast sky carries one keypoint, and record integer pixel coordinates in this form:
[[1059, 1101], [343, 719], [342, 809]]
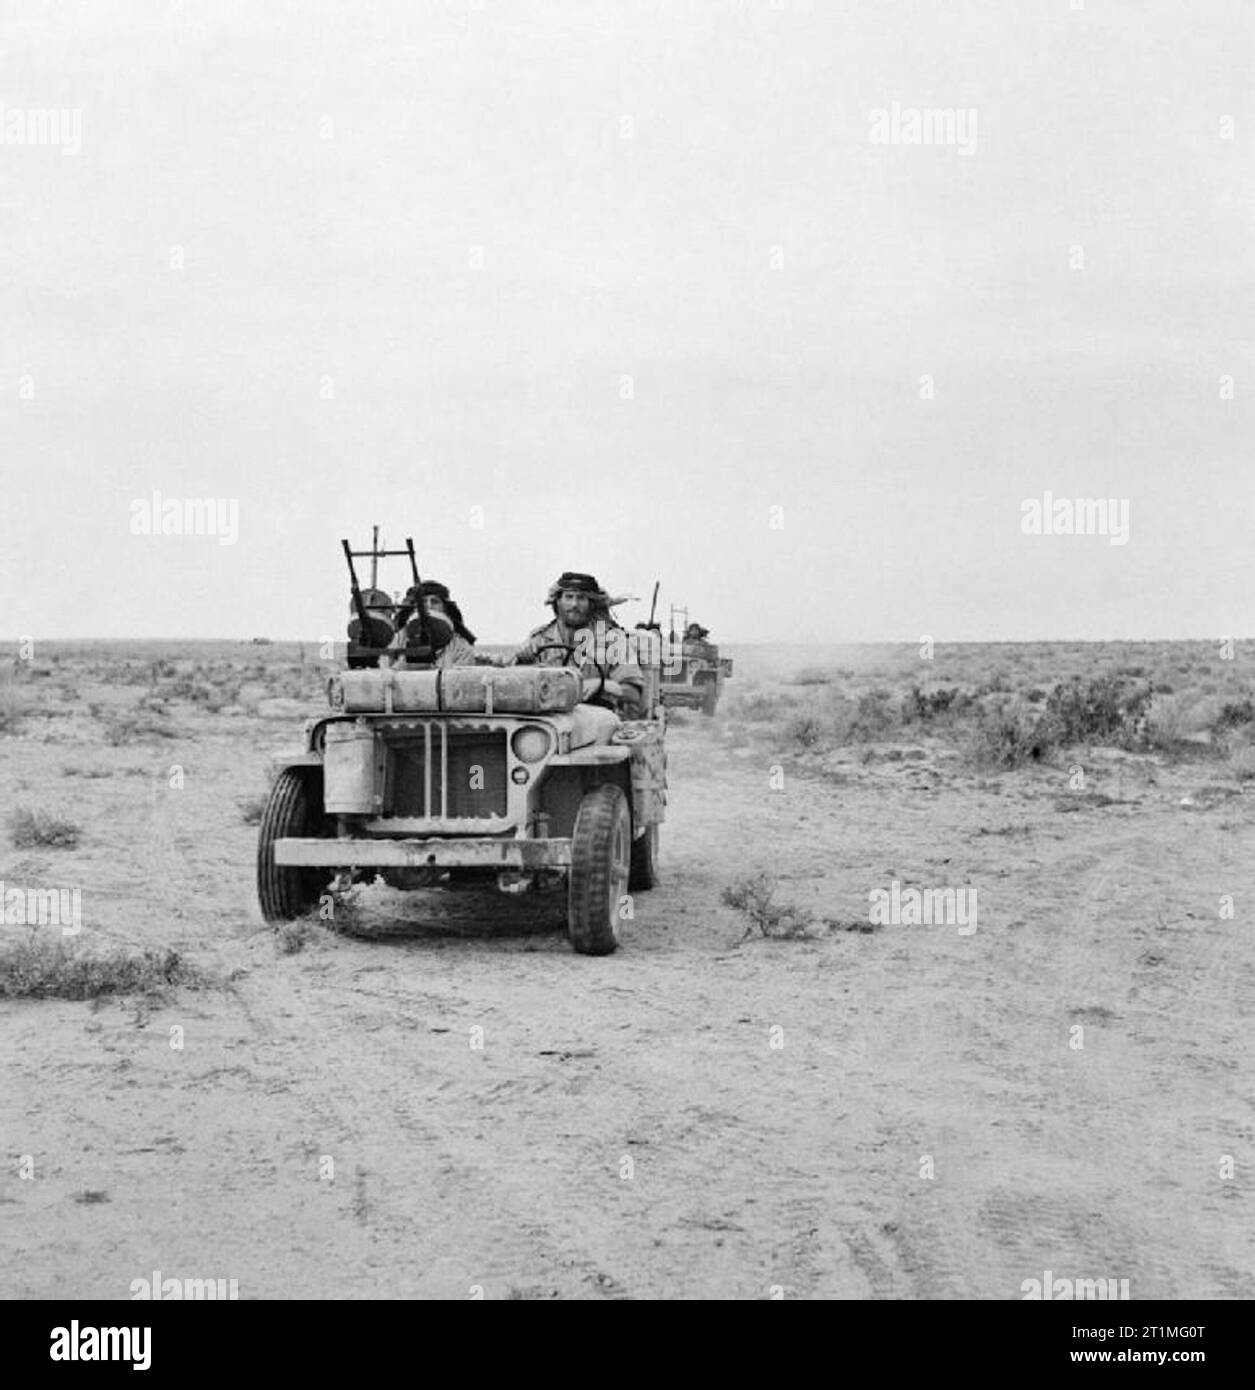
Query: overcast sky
[[633, 288]]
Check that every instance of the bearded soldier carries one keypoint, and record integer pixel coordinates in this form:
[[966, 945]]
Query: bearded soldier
[[582, 634], [453, 643]]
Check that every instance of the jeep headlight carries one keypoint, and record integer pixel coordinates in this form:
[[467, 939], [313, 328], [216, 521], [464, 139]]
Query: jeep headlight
[[530, 743]]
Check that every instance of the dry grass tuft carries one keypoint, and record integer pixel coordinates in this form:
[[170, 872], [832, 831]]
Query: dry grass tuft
[[30, 829], [41, 967], [1010, 737], [14, 705], [293, 937], [755, 898], [148, 720]]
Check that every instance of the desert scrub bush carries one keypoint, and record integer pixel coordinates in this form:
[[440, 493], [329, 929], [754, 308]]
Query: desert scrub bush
[[1101, 708], [299, 683], [190, 687], [804, 732], [1010, 736], [835, 720], [123, 673], [815, 725], [997, 684], [1167, 722], [1235, 713], [30, 829], [874, 715], [43, 967], [14, 706], [147, 720], [919, 707], [754, 898], [294, 936], [121, 729], [219, 699], [761, 706]]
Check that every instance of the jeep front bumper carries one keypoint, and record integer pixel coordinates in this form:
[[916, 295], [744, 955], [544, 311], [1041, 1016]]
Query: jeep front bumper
[[685, 696], [482, 853]]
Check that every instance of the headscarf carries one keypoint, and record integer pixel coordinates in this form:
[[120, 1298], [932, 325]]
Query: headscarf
[[418, 592], [600, 602]]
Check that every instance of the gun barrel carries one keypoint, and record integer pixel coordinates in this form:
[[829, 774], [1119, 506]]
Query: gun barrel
[[358, 602]]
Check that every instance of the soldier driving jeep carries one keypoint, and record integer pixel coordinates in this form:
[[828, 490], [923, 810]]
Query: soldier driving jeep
[[580, 635]]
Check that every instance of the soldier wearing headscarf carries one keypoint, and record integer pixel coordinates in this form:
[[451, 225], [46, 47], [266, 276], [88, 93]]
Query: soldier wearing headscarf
[[453, 643], [579, 635], [695, 643]]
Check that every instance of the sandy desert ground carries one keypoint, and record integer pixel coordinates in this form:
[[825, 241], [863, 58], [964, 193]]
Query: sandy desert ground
[[449, 1103]]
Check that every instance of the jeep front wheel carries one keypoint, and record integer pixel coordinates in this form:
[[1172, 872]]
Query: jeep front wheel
[[600, 858], [294, 810]]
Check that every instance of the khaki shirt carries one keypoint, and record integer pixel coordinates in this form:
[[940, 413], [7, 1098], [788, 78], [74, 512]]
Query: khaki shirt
[[583, 658]]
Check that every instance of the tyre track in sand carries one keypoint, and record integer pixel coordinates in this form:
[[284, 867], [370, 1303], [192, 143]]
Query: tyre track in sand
[[441, 1195], [621, 1132], [892, 1115]]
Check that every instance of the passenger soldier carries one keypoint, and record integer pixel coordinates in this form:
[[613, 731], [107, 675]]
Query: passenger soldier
[[453, 643]]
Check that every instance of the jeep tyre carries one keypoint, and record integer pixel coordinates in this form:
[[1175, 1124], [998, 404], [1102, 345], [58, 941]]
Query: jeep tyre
[[294, 809], [644, 872], [600, 860]]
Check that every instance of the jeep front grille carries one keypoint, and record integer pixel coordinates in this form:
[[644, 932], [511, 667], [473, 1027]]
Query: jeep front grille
[[435, 771]]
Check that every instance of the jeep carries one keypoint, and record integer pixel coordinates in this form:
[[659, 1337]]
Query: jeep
[[469, 772]]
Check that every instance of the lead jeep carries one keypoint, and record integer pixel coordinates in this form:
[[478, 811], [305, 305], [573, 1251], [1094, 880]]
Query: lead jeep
[[474, 774]]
